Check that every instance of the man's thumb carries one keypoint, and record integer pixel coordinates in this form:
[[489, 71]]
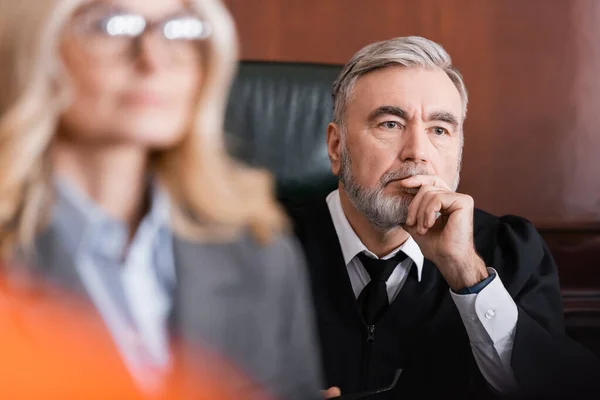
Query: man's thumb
[[331, 392]]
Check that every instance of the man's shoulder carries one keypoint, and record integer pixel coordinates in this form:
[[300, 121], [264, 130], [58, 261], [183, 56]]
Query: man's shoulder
[[510, 244], [493, 228], [308, 208], [308, 215]]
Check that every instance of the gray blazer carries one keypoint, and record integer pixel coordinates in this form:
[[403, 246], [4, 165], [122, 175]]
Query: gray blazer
[[248, 302]]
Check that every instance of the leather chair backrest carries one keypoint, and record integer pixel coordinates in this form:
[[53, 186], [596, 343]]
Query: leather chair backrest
[[277, 119]]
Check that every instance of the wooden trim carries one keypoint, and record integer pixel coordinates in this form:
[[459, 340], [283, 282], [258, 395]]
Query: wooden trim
[[581, 301], [567, 227]]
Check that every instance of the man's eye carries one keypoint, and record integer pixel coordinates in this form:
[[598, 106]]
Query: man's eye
[[391, 125], [440, 131]]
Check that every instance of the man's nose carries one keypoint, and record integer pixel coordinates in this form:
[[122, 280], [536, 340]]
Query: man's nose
[[415, 146]]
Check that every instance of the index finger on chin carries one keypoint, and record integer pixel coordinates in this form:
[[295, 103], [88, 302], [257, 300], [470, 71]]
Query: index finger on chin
[[424, 180]]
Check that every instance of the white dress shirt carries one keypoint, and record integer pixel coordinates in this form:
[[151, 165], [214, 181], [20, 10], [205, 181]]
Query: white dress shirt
[[490, 316]]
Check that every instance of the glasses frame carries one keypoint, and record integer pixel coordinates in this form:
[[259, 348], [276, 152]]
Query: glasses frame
[[134, 41]]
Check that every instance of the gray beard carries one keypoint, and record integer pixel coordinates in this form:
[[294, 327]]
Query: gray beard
[[385, 212]]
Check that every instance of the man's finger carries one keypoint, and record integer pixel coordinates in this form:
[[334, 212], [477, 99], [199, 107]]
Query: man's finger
[[430, 205], [415, 204], [423, 180], [333, 391]]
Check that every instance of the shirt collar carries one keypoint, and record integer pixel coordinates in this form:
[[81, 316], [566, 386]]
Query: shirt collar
[[352, 245], [76, 215]]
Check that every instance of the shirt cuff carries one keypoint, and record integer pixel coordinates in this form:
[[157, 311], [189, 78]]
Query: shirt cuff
[[490, 315], [478, 287]]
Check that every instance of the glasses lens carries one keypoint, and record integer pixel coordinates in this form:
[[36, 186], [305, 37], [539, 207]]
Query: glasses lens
[[108, 34], [186, 28], [123, 25], [184, 35]]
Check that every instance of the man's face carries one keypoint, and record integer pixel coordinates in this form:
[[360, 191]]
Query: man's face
[[399, 122]]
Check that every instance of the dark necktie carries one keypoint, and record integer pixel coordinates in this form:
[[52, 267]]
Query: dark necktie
[[373, 300]]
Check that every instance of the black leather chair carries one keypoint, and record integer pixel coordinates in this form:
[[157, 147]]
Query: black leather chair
[[277, 119]]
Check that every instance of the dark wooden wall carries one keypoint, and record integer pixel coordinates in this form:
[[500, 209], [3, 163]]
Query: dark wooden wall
[[532, 68]]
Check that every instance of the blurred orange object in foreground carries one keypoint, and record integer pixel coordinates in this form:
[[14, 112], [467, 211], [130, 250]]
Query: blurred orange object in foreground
[[54, 347]]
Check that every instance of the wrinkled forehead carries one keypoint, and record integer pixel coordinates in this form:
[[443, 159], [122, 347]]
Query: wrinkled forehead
[[417, 91]]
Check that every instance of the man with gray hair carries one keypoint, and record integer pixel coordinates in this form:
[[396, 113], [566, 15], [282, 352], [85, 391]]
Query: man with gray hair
[[406, 273]]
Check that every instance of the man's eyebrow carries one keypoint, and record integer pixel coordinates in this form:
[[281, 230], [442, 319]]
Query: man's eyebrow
[[443, 116], [387, 110]]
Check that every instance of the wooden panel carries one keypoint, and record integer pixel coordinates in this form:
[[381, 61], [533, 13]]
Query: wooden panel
[[577, 253], [530, 67]]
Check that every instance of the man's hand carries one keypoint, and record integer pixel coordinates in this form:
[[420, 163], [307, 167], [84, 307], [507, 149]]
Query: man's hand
[[441, 222], [331, 392]]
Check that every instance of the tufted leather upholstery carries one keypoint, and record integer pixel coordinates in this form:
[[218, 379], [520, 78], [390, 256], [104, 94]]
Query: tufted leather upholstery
[[277, 119]]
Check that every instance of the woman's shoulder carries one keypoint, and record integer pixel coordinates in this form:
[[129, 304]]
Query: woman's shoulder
[[277, 259], [244, 255]]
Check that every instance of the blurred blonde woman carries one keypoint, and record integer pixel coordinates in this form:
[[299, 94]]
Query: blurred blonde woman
[[115, 184]]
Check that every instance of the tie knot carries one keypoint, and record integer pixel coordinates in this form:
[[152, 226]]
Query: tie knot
[[380, 270]]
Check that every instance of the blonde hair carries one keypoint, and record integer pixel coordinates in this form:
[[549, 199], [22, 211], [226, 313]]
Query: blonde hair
[[211, 192]]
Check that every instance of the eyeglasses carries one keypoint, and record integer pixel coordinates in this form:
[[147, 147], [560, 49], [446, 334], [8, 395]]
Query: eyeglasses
[[107, 33]]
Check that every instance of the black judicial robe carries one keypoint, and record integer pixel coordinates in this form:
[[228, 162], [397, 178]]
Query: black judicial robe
[[422, 332]]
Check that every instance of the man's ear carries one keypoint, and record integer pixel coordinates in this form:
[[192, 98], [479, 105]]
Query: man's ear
[[334, 146]]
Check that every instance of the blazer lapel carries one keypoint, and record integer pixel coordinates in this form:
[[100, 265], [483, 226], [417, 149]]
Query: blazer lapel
[[213, 306], [51, 259], [206, 287]]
